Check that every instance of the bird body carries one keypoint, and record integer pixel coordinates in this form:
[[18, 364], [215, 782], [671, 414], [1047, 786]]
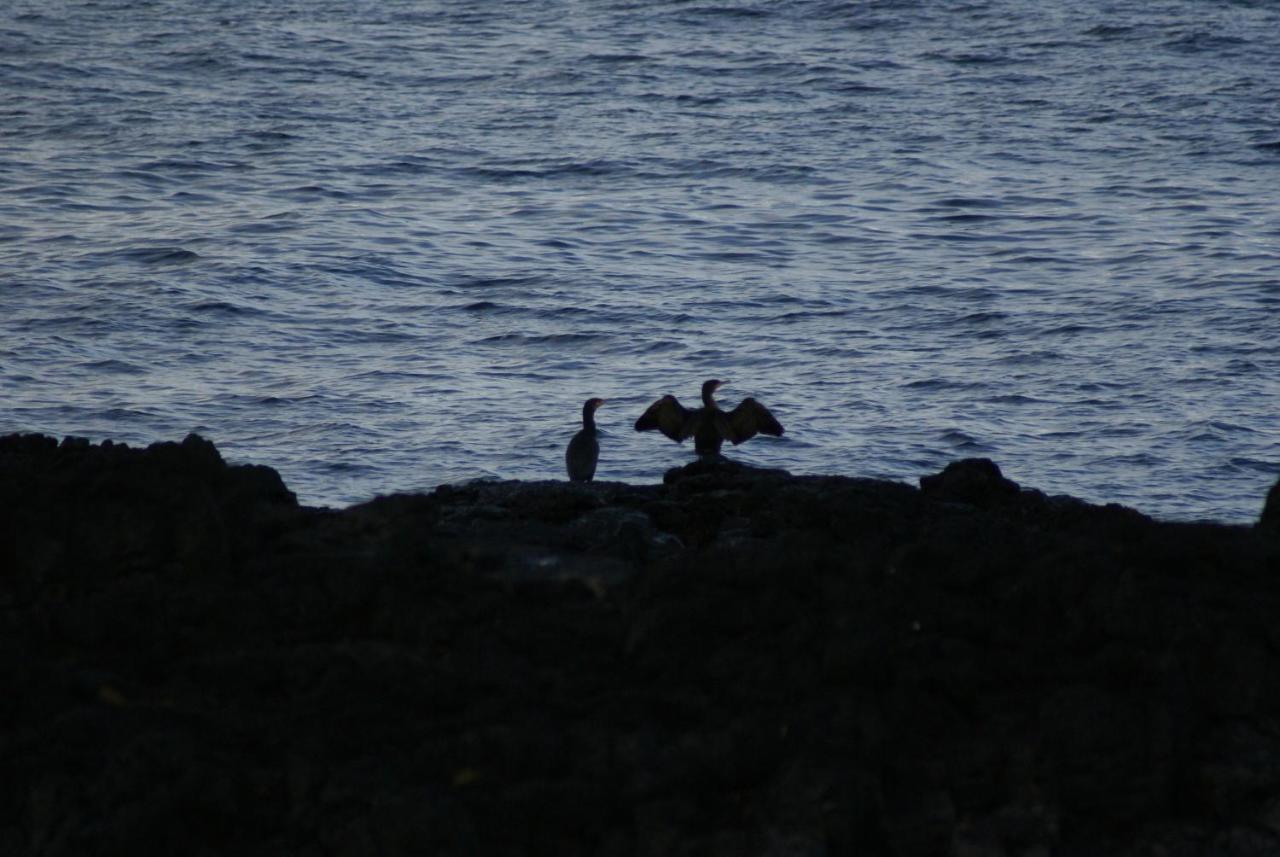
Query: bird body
[[584, 450], [709, 426]]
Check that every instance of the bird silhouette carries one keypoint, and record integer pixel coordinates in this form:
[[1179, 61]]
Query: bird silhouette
[[584, 450], [709, 426]]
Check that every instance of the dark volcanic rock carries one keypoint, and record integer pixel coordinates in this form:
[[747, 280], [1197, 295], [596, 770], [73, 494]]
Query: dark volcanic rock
[[74, 511], [737, 661], [970, 480], [718, 470], [1270, 519]]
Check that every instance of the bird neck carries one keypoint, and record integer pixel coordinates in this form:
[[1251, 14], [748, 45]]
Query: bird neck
[[588, 418], [706, 398]]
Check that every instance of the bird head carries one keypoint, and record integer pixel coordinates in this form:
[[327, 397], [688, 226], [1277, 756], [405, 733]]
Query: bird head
[[589, 411], [709, 387]]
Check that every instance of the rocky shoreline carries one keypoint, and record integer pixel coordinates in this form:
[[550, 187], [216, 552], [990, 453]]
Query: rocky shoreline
[[733, 662]]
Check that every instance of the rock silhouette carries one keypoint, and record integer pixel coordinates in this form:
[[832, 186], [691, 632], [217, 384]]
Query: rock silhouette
[[731, 662], [1270, 519]]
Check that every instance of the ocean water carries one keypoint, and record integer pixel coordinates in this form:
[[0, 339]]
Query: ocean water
[[385, 245]]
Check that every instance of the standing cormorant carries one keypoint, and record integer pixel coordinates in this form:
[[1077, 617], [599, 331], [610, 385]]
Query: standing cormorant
[[708, 425], [580, 458]]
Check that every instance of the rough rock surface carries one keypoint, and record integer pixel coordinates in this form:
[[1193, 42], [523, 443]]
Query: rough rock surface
[[734, 662]]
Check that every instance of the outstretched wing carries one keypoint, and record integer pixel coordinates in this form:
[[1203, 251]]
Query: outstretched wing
[[749, 419], [669, 417]]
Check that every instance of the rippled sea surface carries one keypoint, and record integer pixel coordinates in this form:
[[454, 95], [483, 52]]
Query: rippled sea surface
[[385, 245]]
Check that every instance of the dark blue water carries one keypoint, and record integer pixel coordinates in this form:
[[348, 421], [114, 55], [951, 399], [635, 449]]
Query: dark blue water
[[384, 245]]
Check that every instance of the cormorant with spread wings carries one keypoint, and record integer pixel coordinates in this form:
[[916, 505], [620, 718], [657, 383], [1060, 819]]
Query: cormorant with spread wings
[[708, 425]]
